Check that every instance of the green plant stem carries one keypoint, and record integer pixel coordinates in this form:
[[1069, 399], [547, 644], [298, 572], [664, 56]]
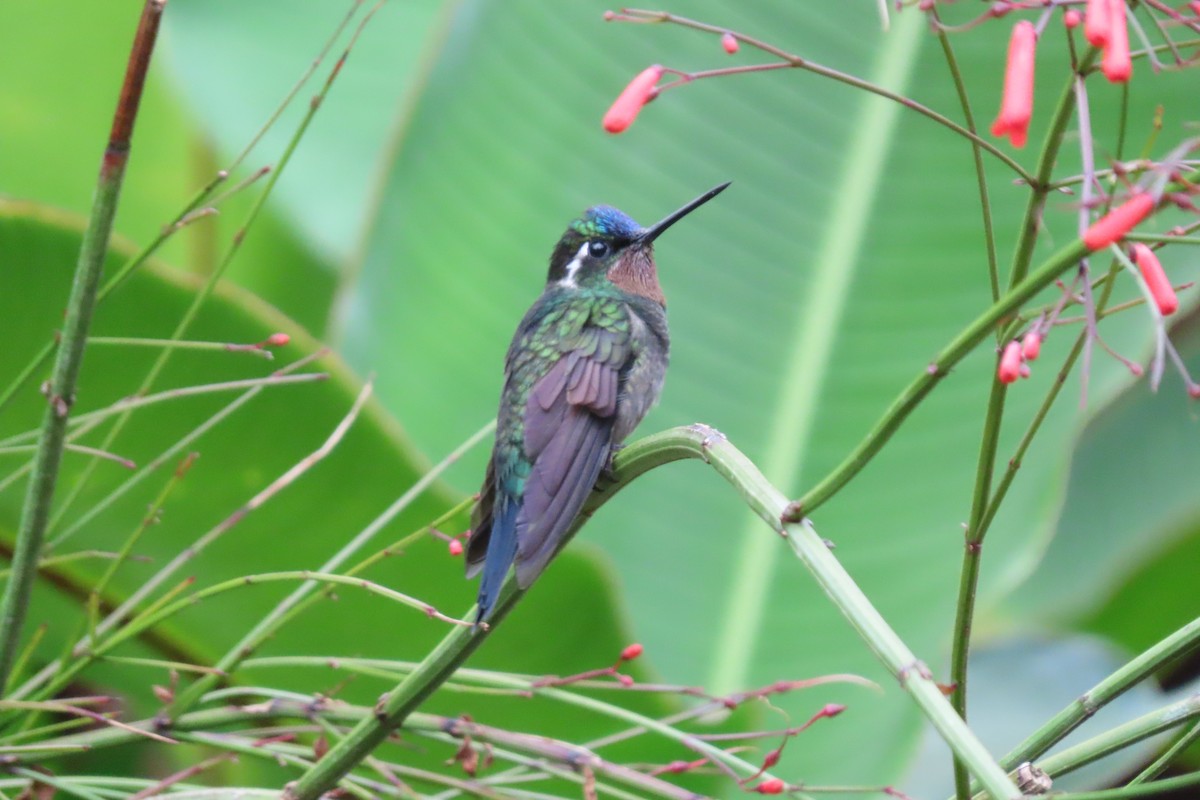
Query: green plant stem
[[35, 514], [985, 202], [210, 283], [911, 396], [304, 595], [1159, 764], [1183, 641], [1040, 185], [1156, 789], [1122, 736], [704, 443], [186, 215]]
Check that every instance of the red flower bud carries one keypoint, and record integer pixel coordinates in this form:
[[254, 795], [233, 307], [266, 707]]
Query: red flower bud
[[832, 709], [1096, 22], [1010, 363], [624, 680], [1195, 6], [1071, 18], [278, 340], [630, 101], [1118, 222], [1031, 345], [770, 786], [730, 43], [1152, 273], [455, 547], [1016, 106], [1117, 65], [631, 652]]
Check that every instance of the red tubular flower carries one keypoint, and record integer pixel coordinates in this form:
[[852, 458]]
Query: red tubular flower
[[1118, 222], [631, 652], [1016, 107], [1010, 363], [1156, 279], [1071, 18], [1031, 345], [1117, 65], [630, 101], [730, 43], [1096, 22]]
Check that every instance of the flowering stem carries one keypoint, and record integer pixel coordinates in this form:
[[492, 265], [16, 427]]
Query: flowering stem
[[1040, 184], [959, 347], [702, 442], [35, 514], [797, 62], [305, 595]]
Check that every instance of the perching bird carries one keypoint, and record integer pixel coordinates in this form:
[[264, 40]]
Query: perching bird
[[586, 364]]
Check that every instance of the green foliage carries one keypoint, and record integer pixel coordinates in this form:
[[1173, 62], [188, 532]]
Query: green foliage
[[413, 229]]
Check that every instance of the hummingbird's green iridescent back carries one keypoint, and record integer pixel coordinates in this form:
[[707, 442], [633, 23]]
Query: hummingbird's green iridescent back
[[586, 364]]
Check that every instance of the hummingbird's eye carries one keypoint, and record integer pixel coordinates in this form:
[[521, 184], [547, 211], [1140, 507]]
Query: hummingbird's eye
[[597, 249]]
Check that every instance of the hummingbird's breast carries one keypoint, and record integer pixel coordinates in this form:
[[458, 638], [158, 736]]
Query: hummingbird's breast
[[644, 381]]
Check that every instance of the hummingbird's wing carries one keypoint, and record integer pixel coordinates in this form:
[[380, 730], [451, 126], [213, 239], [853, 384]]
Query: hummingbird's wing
[[568, 436]]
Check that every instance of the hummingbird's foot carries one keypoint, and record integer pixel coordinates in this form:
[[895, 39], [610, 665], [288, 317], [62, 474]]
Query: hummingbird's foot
[[608, 474]]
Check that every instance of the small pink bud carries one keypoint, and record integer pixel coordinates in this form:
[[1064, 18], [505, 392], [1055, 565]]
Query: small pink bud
[[1116, 223], [631, 652], [1096, 22], [832, 709], [1010, 363], [1031, 345], [629, 102], [1025, 370], [278, 340], [772, 758], [1071, 18], [770, 786], [624, 680], [1195, 6], [1156, 279], [1135, 368], [1016, 104], [1194, 389], [455, 547], [730, 43], [609, 16], [1117, 65]]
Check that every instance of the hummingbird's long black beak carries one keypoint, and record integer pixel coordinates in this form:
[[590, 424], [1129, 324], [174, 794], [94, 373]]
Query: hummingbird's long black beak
[[651, 233]]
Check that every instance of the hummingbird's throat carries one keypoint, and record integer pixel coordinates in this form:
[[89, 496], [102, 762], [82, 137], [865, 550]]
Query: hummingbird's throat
[[634, 273]]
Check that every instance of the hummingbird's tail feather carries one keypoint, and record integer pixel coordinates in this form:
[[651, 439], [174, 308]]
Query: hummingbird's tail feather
[[501, 550], [481, 523]]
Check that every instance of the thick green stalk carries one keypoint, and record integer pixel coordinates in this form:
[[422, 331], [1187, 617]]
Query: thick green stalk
[[35, 514], [702, 442]]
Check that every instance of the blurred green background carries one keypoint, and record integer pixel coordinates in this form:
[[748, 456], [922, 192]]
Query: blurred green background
[[411, 231]]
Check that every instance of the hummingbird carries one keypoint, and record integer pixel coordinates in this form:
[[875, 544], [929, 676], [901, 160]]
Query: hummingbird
[[585, 365]]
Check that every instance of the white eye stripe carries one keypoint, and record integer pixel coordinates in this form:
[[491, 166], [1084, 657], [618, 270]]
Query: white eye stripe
[[573, 266]]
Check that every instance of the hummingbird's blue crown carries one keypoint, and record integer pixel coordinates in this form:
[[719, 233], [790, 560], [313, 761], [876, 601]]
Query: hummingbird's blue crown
[[606, 222]]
